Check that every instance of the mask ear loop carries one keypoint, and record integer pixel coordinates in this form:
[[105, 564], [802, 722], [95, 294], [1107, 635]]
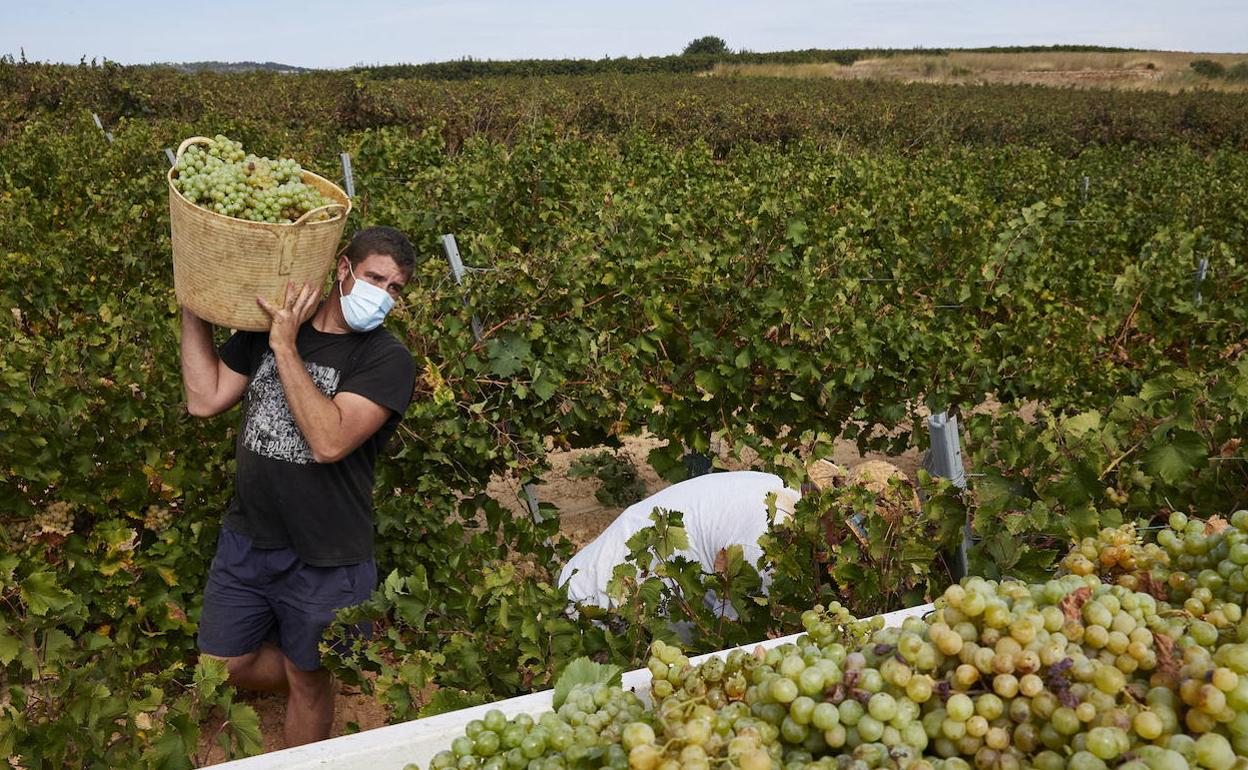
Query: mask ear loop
[[342, 251]]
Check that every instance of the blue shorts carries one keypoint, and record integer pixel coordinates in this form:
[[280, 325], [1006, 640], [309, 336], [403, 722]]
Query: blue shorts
[[260, 594]]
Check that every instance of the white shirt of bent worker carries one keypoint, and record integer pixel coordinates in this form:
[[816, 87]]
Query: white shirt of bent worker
[[720, 510]]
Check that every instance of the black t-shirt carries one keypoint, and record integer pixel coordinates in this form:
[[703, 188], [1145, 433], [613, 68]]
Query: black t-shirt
[[283, 498]]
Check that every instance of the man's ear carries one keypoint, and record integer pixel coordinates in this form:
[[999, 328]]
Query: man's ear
[[342, 269]]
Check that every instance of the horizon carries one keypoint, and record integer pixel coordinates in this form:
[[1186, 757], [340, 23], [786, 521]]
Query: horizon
[[379, 33], [469, 58]]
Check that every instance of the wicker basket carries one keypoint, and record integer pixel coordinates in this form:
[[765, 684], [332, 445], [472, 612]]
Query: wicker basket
[[221, 264]]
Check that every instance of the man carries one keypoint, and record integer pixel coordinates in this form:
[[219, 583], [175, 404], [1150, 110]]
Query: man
[[719, 510], [322, 392]]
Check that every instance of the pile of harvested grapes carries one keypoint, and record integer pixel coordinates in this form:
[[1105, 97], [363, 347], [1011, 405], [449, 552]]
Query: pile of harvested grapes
[[221, 177], [1133, 656]]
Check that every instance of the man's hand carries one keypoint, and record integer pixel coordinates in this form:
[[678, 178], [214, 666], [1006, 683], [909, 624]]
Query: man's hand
[[286, 320]]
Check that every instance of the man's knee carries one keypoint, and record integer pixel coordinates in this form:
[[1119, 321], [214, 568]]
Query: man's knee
[[309, 684]]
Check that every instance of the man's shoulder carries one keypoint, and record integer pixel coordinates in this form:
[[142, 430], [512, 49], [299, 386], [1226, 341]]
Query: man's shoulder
[[381, 344], [385, 340], [383, 348]]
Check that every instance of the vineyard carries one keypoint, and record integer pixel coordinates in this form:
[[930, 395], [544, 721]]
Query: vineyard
[[772, 266]]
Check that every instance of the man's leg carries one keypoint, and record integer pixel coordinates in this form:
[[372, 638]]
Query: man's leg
[[237, 617], [305, 604], [309, 704], [263, 670]]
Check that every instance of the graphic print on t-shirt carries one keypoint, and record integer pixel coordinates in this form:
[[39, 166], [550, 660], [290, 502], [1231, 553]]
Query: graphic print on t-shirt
[[269, 428]]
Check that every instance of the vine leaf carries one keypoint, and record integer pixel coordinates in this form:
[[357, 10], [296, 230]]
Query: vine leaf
[[10, 646], [245, 726], [1175, 459], [40, 593], [584, 672], [796, 232], [508, 355]]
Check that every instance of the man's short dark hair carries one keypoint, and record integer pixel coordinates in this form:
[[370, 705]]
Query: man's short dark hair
[[383, 240]]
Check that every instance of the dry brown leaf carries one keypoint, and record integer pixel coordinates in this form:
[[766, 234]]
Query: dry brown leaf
[[1072, 604], [1153, 587], [1167, 666], [1216, 524]]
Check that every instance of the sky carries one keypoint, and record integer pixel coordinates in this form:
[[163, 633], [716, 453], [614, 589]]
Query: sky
[[320, 33]]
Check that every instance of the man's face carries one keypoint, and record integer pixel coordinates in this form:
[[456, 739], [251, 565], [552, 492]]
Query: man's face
[[378, 269]]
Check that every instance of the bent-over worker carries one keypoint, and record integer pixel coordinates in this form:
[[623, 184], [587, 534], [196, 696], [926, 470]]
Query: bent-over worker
[[719, 510]]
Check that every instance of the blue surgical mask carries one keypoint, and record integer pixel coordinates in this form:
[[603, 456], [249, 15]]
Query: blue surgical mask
[[366, 306]]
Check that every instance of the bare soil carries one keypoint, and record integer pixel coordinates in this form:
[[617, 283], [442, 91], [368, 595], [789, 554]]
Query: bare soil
[[582, 517], [1131, 70], [353, 712]]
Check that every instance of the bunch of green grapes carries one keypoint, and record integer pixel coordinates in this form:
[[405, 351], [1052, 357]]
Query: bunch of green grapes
[[701, 717], [1207, 574], [220, 177], [588, 731], [1115, 555], [1074, 673], [752, 710], [1004, 676]]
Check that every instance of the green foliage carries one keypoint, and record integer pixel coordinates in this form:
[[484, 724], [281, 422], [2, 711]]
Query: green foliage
[[1238, 71], [584, 672], [902, 561], [1208, 68], [687, 62], [678, 256], [1175, 444], [313, 113], [709, 45], [619, 485]]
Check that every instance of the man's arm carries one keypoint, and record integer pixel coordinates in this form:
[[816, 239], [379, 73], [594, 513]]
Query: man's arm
[[335, 427], [210, 386]]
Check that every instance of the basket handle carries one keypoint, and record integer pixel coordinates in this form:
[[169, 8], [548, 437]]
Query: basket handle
[[192, 140], [341, 209]]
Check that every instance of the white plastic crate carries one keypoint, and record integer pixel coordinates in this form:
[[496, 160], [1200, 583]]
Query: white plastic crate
[[393, 747]]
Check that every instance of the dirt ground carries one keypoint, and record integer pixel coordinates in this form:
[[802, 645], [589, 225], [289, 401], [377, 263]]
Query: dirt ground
[[350, 708], [1130, 70], [582, 518]]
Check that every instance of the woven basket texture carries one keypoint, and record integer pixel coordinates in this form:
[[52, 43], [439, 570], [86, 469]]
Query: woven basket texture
[[222, 264]]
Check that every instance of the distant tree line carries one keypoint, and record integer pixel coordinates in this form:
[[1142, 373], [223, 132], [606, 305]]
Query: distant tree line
[[231, 66], [467, 69], [1048, 49]]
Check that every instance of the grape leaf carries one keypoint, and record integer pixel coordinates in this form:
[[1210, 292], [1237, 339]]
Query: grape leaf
[[508, 355], [796, 232], [41, 593], [545, 387], [584, 671], [1174, 460], [1082, 423], [245, 727], [9, 647]]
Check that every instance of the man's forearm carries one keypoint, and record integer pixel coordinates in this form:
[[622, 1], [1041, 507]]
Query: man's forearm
[[318, 418], [199, 361]]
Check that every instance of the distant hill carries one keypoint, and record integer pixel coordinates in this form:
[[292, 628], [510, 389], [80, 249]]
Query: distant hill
[[232, 66]]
